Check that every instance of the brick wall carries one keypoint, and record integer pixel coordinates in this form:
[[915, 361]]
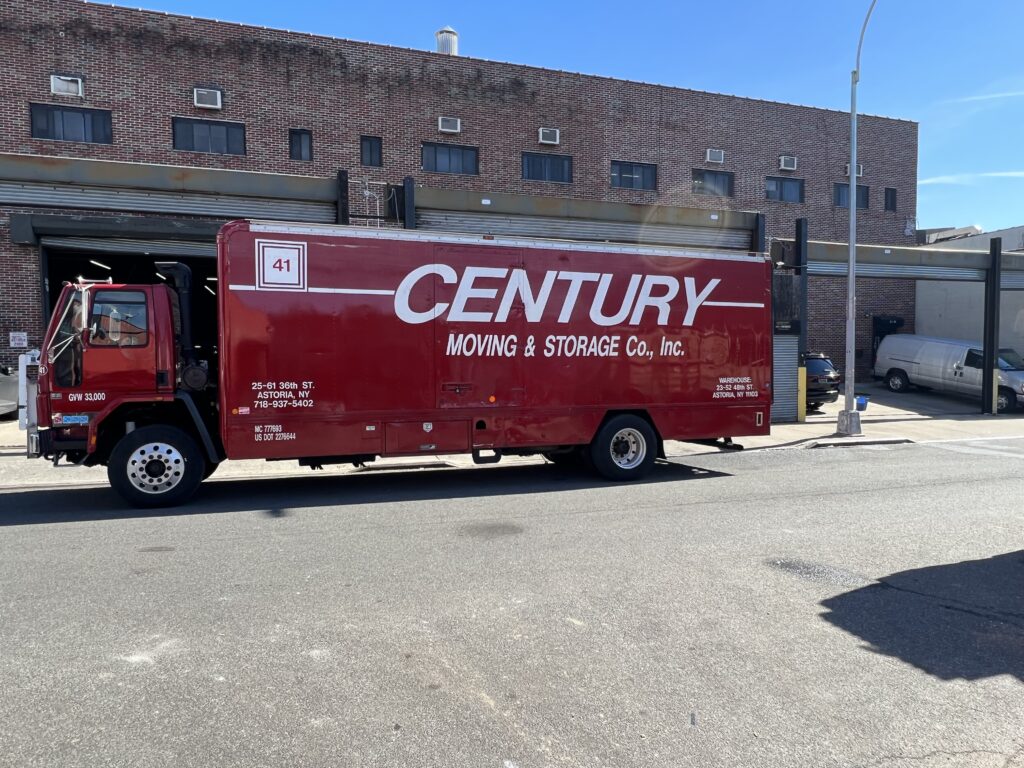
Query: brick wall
[[20, 293], [826, 315], [143, 65]]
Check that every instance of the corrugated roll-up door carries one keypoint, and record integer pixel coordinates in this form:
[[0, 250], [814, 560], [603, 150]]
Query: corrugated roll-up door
[[899, 271], [126, 199], [1013, 281], [582, 229], [142, 247], [784, 379]]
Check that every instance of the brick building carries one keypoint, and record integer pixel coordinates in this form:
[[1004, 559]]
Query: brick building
[[99, 83]]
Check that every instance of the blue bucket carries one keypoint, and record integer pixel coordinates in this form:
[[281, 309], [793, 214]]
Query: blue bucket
[[862, 402]]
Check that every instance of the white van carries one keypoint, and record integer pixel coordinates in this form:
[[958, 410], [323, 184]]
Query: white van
[[946, 365]]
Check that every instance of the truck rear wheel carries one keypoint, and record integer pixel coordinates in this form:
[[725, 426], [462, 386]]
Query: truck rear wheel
[[157, 466], [625, 448]]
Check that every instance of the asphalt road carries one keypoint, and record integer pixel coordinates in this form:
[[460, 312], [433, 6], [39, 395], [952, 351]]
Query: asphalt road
[[842, 607]]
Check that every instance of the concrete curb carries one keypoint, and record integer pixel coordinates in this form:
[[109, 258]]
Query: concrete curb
[[854, 442]]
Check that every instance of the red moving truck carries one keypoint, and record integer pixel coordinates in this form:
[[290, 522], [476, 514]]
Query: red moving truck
[[344, 344]]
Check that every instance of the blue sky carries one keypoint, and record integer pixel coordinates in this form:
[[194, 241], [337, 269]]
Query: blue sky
[[955, 67]]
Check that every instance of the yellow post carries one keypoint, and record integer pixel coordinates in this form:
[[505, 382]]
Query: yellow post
[[801, 394]]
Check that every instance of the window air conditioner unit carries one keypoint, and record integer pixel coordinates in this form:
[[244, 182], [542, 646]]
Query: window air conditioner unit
[[716, 156], [66, 86], [860, 170], [449, 124], [207, 98], [549, 135], [787, 163]]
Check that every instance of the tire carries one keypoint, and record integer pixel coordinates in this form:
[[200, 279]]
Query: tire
[[209, 468], [157, 466], [1006, 400], [897, 381], [624, 448], [814, 406]]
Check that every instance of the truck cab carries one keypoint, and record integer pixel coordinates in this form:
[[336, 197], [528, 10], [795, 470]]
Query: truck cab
[[116, 362]]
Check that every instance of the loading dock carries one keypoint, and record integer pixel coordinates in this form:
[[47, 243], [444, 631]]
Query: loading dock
[[998, 271]]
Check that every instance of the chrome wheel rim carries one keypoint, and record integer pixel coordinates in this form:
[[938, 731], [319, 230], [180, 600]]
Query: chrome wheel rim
[[1002, 402], [628, 448], [156, 468], [896, 383]]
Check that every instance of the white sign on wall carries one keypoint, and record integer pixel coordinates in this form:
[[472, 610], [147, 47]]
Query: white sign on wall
[[19, 340]]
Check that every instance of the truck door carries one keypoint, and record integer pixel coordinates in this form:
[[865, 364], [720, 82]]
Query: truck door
[[478, 344], [118, 352]]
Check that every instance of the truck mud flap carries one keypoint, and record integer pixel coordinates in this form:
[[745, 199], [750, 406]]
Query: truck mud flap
[[209, 448]]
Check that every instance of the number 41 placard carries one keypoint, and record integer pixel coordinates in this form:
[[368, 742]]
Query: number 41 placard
[[280, 265]]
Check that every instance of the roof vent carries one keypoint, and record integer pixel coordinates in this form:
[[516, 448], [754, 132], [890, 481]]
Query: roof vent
[[447, 41]]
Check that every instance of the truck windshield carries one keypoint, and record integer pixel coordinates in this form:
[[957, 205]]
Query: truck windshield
[[1010, 360], [65, 350]]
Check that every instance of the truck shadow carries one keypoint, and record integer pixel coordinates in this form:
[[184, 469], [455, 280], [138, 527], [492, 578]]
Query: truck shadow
[[277, 497], [960, 621]]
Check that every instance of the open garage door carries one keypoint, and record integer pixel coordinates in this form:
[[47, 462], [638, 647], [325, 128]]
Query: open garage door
[[127, 261]]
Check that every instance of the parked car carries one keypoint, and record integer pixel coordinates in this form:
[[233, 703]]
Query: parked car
[[946, 365], [822, 380], [8, 392]]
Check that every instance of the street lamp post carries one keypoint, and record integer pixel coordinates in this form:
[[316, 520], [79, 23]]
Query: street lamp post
[[849, 417]]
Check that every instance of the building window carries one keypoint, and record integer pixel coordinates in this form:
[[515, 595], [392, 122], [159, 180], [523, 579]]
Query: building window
[[718, 183], [370, 152], [213, 136], [783, 188], [450, 158], [890, 198], [841, 196], [544, 167], [300, 144], [91, 126], [634, 175]]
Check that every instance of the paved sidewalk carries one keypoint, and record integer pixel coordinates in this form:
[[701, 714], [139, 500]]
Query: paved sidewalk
[[913, 416]]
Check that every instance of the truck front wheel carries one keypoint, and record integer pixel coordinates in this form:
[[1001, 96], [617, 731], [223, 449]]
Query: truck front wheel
[[156, 466], [625, 448]]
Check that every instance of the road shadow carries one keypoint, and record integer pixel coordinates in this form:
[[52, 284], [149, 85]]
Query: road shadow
[[278, 496], [957, 621]]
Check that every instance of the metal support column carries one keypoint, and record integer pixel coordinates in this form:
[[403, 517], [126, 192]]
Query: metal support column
[[343, 209], [990, 346], [409, 193], [800, 257]]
